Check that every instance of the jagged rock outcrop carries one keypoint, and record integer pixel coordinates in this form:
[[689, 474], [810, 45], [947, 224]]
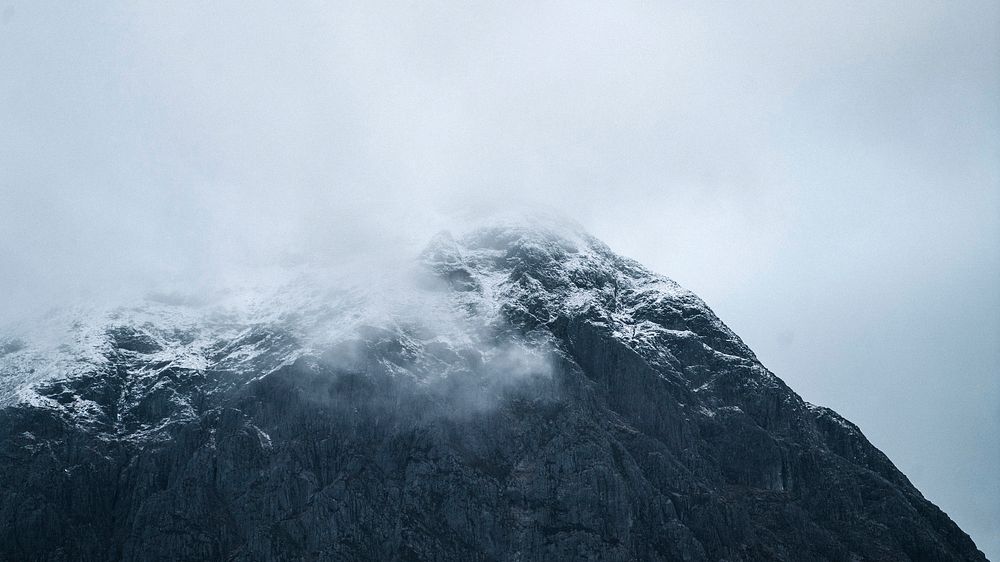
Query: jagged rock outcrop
[[530, 396]]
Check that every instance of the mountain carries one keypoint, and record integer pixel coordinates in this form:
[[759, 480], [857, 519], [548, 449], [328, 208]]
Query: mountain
[[520, 393]]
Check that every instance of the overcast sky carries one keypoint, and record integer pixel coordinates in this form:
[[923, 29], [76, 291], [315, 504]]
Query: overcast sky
[[825, 175]]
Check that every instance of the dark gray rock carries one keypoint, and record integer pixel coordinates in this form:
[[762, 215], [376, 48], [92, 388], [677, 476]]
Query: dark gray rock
[[649, 432]]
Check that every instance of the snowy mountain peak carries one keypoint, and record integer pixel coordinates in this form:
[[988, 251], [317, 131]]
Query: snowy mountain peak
[[529, 273], [520, 393]]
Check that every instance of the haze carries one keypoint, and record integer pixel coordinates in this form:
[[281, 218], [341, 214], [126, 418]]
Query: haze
[[824, 175]]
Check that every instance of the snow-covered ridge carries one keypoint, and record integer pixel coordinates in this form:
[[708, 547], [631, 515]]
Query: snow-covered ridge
[[529, 273], [544, 272]]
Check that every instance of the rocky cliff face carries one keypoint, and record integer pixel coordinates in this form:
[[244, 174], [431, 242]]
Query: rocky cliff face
[[530, 395]]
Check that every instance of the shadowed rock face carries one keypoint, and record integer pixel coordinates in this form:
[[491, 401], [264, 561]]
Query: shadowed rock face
[[573, 406]]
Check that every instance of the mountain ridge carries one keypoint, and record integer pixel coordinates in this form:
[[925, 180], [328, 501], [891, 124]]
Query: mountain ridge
[[526, 394]]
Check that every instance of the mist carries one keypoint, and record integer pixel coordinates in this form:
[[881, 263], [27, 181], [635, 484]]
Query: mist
[[825, 177]]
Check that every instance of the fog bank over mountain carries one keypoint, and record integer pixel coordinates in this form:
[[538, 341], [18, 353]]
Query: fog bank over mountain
[[826, 177]]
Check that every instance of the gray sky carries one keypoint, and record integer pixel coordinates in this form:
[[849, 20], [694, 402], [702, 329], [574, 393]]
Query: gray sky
[[825, 175]]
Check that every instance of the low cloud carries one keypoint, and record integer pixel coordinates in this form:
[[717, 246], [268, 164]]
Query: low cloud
[[799, 166]]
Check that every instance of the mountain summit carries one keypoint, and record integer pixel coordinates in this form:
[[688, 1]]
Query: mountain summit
[[521, 393]]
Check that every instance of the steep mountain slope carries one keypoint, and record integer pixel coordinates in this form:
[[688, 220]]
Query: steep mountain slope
[[525, 395]]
